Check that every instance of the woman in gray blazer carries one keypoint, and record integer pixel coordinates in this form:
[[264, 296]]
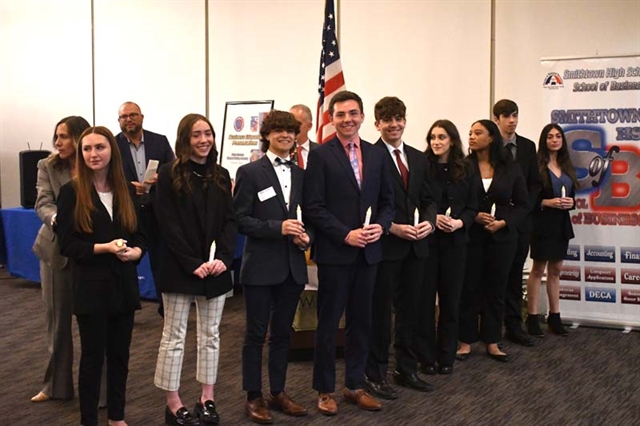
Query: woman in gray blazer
[[53, 172]]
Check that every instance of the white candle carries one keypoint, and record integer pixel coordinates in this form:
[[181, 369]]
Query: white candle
[[212, 251], [493, 209], [299, 213], [448, 212], [367, 217], [563, 192], [416, 217]]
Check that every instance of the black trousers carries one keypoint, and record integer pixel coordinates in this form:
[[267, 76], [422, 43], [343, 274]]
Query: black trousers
[[340, 288], [264, 303], [513, 294], [398, 281], [151, 231], [444, 275], [102, 334], [482, 301]]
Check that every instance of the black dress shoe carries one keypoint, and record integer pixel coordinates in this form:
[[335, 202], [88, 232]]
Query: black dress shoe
[[379, 388], [206, 412], [428, 369], [498, 357], [412, 381], [182, 418], [445, 369], [462, 356], [519, 337]]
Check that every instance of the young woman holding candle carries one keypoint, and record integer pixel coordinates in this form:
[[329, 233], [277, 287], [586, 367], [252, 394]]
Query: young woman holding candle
[[552, 227], [452, 184], [492, 239], [97, 225], [195, 216]]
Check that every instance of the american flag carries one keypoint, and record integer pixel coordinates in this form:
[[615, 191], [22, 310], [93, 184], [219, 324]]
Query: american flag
[[331, 77]]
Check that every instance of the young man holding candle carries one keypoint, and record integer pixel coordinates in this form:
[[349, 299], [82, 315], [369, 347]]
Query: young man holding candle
[[267, 199], [404, 250], [345, 178], [523, 151]]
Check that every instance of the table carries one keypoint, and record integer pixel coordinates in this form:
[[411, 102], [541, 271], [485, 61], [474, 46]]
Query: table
[[18, 232]]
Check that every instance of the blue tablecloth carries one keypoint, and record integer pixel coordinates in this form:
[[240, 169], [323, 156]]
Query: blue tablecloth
[[20, 227]]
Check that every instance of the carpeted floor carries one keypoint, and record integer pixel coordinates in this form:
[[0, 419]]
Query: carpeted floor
[[591, 377]]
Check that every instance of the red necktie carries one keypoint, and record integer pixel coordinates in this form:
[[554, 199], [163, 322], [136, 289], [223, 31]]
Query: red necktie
[[300, 160], [403, 169]]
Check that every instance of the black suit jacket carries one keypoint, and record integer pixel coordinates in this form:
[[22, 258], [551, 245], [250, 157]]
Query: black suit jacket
[[550, 222], [156, 147], [101, 282], [334, 205], [508, 191], [405, 202], [188, 224], [268, 256], [462, 198], [527, 158]]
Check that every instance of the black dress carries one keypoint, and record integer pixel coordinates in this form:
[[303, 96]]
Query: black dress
[[552, 228]]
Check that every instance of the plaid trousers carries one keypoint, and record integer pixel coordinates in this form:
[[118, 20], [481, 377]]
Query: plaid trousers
[[171, 351]]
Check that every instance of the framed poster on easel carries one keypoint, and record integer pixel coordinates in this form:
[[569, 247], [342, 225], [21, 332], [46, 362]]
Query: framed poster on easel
[[241, 133]]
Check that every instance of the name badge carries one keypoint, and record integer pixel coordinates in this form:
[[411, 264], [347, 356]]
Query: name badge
[[265, 194]]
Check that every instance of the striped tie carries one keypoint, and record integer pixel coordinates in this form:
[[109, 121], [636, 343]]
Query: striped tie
[[353, 159]]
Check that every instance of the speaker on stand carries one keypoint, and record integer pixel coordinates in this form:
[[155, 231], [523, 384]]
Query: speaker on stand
[[29, 176]]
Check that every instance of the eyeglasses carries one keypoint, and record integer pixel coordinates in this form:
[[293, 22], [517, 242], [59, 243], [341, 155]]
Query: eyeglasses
[[132, 116]]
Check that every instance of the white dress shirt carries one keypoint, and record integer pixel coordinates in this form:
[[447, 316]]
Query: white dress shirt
[[283, 172]]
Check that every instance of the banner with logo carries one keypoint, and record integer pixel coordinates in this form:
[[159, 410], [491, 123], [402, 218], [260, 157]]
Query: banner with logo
[[241, 133], [597, 103]]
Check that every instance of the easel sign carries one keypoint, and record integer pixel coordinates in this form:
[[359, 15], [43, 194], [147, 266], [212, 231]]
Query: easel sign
[[241, 133]]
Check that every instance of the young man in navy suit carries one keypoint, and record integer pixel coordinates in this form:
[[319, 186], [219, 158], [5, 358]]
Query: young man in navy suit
[[302, 113], [348, 198], [523, 151], [404, 252], [267, 196], [137, 147]]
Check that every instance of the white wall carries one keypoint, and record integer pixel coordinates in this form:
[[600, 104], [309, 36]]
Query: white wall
[[151, 52], [433, 54], [45, 75], [527, 31]]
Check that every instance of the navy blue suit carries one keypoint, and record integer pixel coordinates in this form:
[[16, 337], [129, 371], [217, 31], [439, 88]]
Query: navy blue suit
[[273, 272], [334, 205], [400, 274]]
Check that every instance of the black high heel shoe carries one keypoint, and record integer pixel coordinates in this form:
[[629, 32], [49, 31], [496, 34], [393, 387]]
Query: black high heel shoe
[[498, 357]]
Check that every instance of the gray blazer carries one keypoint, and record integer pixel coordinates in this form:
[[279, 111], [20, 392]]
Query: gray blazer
[[50, 180]]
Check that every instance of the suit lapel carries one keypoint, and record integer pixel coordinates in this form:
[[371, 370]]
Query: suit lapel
[[125, 150], [296, 188], [271, 176], [392, 165], [343, 160], [413, 159]]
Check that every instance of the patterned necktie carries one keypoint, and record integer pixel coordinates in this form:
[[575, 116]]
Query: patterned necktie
[[403, 169], [353, 159]]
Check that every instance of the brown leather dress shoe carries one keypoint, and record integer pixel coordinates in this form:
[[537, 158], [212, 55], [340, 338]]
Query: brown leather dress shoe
[[40, 397], [284, 403], [257, 411], [363, 400], [327, 405]]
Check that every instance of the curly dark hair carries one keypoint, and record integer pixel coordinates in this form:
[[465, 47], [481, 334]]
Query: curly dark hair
[[456, 154], [277, 120], [563, 158]]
